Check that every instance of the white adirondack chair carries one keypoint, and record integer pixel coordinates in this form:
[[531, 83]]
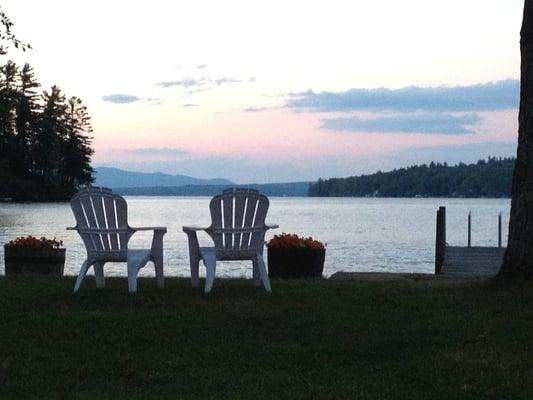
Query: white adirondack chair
[[238, 232], [102, 222]]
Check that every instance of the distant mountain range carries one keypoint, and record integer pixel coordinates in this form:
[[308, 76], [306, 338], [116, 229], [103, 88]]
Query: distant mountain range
[[118, 178], [130, 183]]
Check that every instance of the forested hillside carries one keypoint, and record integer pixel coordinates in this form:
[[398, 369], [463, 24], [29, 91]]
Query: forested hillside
[[486, 178]]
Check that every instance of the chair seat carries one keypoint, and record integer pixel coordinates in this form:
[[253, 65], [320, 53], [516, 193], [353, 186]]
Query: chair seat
[[139, 256], [227, 255]]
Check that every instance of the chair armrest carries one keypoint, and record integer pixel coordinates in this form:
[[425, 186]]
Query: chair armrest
[[271, 226], [194, 228], [193, 244], [149, 228]]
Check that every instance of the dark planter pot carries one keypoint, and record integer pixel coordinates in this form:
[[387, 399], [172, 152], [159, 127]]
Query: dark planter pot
[[295, 262], [34, 261]]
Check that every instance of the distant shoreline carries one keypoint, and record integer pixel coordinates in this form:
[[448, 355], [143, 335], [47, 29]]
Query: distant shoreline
[[491, 178], [333, 197], [293, 189]]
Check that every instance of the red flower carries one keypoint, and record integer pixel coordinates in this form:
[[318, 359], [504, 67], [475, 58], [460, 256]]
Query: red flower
[[34, 243], [288, 240]]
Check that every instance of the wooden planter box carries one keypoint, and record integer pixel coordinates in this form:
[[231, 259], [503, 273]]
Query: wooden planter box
[[295, 262], [34, 261]]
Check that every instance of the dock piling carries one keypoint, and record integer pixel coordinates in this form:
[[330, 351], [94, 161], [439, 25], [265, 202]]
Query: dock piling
[[440, 242], [500, 229], [470, 229]]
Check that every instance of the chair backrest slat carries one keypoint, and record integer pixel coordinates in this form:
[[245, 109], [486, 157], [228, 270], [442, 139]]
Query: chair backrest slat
[[240, 203], [88, 211], [249, 220], [98, 206], [258, 237], [227, 208], [109, 204], [121, 212], [215, 207], [81, 222]]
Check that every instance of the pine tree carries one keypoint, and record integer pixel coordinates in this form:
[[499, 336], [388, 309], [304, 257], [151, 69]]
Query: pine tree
[[50, 135], [27, 112], [8, 98], [76, 151]]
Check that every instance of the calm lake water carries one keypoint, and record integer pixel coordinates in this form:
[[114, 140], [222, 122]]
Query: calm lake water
[[362, 234]]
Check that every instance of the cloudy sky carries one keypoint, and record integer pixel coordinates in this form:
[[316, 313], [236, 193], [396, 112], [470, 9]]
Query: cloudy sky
[[271, 91]]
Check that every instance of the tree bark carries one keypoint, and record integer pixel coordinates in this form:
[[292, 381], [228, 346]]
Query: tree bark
[[518, 260]]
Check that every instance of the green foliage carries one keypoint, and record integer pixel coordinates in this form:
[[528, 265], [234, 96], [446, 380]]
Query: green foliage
[[45, 147], [75, 165], [486, 178], [320, 339]]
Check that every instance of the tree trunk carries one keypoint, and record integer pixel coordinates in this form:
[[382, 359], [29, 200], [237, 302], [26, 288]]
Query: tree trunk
[[518, 260]]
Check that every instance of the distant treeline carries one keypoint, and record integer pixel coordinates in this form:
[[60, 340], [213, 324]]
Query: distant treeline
[[273, 189], [486, 178], [45, 147]]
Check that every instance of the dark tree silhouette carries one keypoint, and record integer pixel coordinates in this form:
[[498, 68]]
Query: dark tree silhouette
[[27, 114], [51, 133], [45, 143], [7, 37], [76, 150], [8, 98], [518, 260]]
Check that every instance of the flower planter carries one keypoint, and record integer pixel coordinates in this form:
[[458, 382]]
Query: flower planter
[[22, 260], [297, 262]]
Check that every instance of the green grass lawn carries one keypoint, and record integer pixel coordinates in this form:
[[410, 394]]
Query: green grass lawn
[[306, 339]]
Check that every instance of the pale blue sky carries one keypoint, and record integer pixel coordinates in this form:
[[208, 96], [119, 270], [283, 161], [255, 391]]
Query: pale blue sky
[[281, 90]]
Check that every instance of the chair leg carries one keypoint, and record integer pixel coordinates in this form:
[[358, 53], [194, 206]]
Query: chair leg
[[160, 277], [256, 275], [157, 257], [99, 274], [195, 271], [210, 266], [81, 275], [263, 273], [133, 270]]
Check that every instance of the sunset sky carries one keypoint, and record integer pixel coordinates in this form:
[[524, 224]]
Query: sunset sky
[[273, 91]]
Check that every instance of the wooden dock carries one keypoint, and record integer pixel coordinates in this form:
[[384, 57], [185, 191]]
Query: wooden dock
[[483, 262], [465, 262]]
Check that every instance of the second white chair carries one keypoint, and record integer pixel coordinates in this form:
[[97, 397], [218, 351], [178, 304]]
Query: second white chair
[[238, 233]]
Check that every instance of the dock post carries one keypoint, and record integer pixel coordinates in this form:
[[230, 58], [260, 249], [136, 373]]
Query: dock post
[[469, 228], [440, 242], [500, 229]]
